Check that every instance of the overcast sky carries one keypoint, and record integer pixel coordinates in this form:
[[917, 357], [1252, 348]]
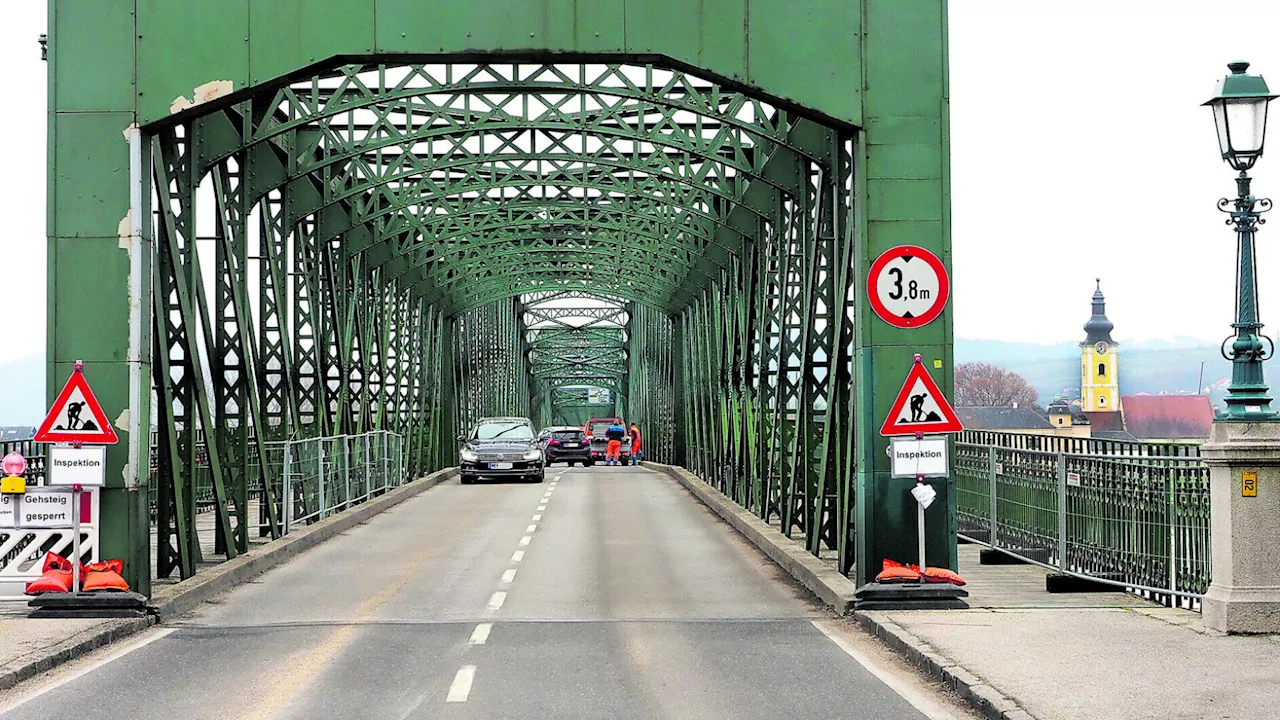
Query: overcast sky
[[1079, 149]]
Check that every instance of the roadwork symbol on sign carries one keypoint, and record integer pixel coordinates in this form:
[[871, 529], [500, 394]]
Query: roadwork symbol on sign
[[76, 416], [920, 407], [908, 286]]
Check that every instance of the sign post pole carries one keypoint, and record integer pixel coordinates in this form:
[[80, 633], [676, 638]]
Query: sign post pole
[[75, 537], [920, 523]]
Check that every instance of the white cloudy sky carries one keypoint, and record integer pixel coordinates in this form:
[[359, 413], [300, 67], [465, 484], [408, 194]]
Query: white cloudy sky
[[1078, 150]]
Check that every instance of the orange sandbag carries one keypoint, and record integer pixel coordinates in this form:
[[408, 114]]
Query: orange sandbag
[[893, 572], [104, 576], [56, 577], [940, 575], [115, 566]]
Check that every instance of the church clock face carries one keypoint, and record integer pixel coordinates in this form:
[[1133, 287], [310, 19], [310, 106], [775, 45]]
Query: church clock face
[[1100, 348]]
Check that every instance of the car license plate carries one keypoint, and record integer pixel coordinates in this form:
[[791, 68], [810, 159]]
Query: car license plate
[[571, 445], [499, 466]]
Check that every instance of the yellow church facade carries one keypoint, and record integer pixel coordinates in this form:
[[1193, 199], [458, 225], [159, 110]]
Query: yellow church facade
[[1099, 361]]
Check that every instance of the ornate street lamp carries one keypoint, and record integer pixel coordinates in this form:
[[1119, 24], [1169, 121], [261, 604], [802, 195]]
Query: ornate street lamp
[[1240, 113]]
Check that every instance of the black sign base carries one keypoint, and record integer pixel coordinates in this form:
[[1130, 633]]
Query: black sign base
[[89, 605], [911, 596]]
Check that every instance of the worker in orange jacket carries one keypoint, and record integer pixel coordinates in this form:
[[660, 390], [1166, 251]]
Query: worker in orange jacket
[[637, 450]]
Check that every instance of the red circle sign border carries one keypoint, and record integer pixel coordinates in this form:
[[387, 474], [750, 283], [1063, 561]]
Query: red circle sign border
[[944, 286]]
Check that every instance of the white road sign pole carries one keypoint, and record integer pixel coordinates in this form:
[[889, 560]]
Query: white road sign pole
[[919, 527], [75, 538]]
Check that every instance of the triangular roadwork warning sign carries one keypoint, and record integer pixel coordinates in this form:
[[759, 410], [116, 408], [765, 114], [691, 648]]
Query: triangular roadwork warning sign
[[920, 407], [76, 416]]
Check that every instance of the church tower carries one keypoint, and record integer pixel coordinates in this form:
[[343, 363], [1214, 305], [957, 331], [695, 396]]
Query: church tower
[[1099, 361]]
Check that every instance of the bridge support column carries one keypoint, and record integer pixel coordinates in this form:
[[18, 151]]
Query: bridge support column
[[1244, 492], [900, 203]]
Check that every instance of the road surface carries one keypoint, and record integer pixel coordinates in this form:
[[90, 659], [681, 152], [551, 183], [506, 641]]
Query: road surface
[[611, 593]]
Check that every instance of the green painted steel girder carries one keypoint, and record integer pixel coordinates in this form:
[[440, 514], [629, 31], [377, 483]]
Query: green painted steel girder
[[401, 189]]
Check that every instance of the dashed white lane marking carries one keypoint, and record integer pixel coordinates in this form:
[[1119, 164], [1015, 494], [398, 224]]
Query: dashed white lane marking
[[526, 540], [509, 575], [517, 556], [496, 600], [481, 634], [542, 507], [926, 705], [531, 528], [461, 686], [537, 518]]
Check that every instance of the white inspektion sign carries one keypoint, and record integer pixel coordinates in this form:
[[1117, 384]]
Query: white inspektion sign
[[85, 466], [927, 456]]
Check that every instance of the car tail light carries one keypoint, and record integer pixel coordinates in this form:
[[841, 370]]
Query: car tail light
[[554, 442]]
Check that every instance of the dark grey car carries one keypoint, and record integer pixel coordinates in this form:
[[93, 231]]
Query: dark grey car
[[501, 447]]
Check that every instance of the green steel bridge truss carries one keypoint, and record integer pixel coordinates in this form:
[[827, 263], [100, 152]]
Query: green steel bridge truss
[[347, 234], [360, 249]]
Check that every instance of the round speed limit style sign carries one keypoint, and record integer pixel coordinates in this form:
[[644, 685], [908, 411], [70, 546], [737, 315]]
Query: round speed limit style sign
[[908, 286]]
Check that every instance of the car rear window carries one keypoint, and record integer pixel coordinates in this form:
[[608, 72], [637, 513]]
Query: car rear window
[[568, 434]]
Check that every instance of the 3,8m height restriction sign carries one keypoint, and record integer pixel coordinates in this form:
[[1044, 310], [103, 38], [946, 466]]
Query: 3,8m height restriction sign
[[908, 286]]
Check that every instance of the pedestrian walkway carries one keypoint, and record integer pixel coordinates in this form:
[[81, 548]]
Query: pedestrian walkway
[[205, 523], [1095, 656]]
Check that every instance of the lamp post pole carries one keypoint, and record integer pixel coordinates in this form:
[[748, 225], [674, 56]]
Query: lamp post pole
[[1247, 399], [1243, 450], [1239, 108]]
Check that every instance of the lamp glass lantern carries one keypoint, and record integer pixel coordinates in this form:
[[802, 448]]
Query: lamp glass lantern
[[1240, 113]]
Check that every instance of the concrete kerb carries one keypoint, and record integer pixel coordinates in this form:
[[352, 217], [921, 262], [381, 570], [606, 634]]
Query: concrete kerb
[[981, 696], [82, 643], [832, 588], [182, 597], [837, 592]]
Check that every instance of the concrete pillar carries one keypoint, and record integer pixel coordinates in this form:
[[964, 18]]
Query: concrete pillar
[[1244, 595]]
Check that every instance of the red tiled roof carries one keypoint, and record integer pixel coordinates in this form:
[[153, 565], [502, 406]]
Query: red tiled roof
[[1167, 417], [1104, 421]]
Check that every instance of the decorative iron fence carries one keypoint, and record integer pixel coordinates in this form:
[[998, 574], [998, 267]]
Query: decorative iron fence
[[34, 454], [1134, 517]]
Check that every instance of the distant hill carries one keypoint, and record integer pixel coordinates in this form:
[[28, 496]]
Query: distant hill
[[1153, 367], [22, 391]]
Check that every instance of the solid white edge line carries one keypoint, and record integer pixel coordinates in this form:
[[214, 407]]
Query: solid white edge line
[[525, 540], [461, 686], [496, 600], [918, 700], [125, 650], [517, 556], [481, 634], [509, 575]]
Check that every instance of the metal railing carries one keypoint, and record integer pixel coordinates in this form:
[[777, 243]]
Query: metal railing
[[321, 476], [34, 454], [1135, 517]]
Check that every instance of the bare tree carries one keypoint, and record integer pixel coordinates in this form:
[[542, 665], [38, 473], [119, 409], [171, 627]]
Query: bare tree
[[981, 384]]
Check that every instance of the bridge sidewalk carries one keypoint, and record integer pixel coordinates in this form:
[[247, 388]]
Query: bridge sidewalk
[[1089, 656]]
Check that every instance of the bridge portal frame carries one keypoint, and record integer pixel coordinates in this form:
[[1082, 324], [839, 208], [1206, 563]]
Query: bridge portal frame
[[117, 69]]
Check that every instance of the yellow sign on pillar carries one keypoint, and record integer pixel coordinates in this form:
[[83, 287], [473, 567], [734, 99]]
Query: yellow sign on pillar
[[1249, 483]]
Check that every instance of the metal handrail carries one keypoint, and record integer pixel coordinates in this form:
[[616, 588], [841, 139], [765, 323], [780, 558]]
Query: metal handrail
[[1136, 519]]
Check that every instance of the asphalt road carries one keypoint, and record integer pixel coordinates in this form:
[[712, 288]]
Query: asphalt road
[[611, 593]]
